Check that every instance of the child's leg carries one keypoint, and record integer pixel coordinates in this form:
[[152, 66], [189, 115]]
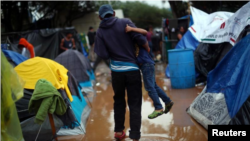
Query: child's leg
[[148, 72], [162, 94]]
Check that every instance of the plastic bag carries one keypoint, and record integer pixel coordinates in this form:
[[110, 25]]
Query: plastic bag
[[11, 91]]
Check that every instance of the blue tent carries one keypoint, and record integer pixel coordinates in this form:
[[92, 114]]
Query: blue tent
[[188, 41], [231, 76], [226, 98], [14, 56]]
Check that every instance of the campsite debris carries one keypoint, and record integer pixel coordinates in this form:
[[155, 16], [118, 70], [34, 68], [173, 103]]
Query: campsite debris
[[98, 84], [200, 84]]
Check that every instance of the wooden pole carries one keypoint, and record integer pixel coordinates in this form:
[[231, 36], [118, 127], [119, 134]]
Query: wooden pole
[[52, 124]]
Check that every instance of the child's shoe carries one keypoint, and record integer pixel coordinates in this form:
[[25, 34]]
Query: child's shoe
[[168, 107], [155, 114]]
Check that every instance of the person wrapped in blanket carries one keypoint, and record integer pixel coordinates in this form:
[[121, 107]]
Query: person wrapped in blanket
[[26, 48], [147, 67]]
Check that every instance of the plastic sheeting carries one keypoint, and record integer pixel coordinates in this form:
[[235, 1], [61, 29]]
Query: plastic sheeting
[[206, 56], [43, 132], [227, 31], [243, 115], [206, 24], [14, 56], [188, 41], [11, 91], [232, 76], [227, 88], [46, 42], [209, 109]]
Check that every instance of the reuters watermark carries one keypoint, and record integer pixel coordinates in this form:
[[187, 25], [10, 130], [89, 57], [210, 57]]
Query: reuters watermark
[[219, 132]]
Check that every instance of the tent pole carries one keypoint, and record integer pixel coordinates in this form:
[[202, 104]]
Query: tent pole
[[52, 124]]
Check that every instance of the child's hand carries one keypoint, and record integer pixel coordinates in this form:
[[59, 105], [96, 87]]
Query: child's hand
[[148, 50], [128, 28]]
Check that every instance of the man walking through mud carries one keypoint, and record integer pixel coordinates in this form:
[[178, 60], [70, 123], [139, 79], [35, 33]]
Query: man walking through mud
[[112, 42]]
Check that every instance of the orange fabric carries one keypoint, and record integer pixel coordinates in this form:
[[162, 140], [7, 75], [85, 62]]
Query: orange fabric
[[27, 45]]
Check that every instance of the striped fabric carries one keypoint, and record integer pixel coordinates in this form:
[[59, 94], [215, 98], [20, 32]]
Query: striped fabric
[[119, 66]]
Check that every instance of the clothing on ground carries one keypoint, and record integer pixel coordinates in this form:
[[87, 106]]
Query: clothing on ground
[[46, 99]]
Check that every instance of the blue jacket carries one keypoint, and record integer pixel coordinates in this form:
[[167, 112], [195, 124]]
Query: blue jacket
[[112, 42]]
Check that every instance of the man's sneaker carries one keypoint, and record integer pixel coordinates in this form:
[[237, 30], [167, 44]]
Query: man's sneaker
[[120, 137], [155, 114], [168, 107]]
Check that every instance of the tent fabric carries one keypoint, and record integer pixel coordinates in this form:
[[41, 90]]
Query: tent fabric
[[46, 42], [243, 115], [36, 68], [30, 129], [206, 24], [22, 106], [227, 88], [69, 120], [81, 112], [233, 79], [206, 56], [229, 30], [73, 85], [76, 63], [14, 56]]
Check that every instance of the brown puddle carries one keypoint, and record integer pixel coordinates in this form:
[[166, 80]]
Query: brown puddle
[[177, 125]]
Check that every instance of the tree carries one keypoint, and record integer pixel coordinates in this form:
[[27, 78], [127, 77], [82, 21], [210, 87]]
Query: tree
[[178, 8], [143, 14], [57, 13]]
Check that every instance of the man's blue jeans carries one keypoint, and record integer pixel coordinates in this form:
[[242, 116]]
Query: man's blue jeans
[[154, 91]]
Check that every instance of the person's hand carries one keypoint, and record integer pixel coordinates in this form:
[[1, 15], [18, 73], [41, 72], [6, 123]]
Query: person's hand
[[148, 50], [128, 28]]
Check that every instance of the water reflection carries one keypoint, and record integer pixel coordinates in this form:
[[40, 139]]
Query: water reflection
[[174, 126]]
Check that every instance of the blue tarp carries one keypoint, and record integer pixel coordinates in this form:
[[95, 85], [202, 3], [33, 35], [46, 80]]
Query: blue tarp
[[188, 41], [232, 76], [14, 56], [191, 22]]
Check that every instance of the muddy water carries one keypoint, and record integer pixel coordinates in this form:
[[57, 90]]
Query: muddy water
[[177, 125]]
